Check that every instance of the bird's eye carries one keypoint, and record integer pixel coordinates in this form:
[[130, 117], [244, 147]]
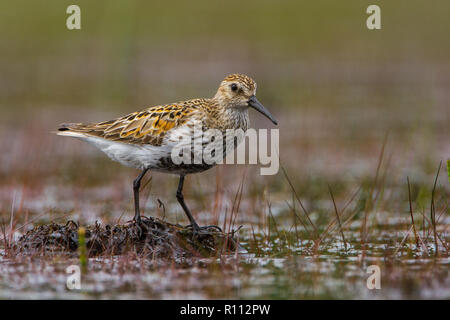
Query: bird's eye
[[234, 87]]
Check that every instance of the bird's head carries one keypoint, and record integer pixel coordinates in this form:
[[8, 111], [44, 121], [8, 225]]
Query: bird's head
[[238, 91]]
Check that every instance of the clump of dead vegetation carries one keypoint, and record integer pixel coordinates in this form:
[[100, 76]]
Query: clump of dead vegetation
[[153, 237]]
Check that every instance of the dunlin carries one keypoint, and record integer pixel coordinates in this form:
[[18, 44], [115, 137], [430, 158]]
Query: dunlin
[[145, 139]]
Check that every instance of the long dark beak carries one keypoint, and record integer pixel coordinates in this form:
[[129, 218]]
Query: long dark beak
[[255, 104]]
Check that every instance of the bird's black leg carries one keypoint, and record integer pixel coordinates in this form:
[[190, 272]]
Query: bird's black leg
[[136, 186], [180, 199]]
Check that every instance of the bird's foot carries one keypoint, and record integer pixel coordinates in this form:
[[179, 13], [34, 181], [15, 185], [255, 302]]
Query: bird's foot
[[140, 226]]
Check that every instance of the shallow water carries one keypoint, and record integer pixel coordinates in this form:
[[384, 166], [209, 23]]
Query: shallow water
[[276, 271]]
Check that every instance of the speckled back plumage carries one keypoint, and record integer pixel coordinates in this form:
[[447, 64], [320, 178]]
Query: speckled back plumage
[[148, 126]]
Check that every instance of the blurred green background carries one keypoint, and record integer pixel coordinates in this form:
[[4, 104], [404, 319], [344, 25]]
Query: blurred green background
[[132, 54], [328, 79]]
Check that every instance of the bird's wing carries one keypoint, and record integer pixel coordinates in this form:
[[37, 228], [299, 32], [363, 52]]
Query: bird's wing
[[148, 126]]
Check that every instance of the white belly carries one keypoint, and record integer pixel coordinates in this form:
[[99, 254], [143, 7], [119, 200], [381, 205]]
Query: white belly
[[131, 155]]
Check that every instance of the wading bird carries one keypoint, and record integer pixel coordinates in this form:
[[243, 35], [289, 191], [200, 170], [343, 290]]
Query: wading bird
[[145, 139]]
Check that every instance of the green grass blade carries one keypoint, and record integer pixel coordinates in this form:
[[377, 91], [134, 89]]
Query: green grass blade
[[448, 169], [82, 248]]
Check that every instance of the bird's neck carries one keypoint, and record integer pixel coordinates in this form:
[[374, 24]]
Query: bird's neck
[[238, 118], [229, 117]]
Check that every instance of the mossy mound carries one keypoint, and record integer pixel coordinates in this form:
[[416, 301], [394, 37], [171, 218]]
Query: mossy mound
[[153, 237]]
